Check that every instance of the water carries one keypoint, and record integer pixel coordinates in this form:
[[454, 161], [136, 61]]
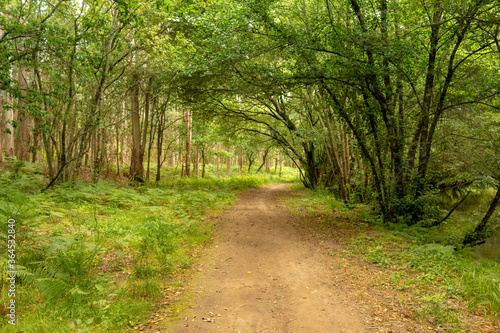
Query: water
[[490, 249], [473, 209]]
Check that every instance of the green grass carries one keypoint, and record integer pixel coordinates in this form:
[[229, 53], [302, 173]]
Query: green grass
[[101, 257], [437, 274]]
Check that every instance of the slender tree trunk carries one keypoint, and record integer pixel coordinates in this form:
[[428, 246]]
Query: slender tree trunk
[[88, 129], [363, 145], [196, 164], [281, 165], [251, 159], [189, 120], [218, 159], [452, 210], [264, 158], [22, 137], [146, 123], [9, 129], [36, 140], [337, 160], [152, 132], [124, 139], [46, 144], [117, 150], [180, 157], [427, 100], [228, 162], [240, 161], [203, 161], [393, 136], [276, 157], [493, 205], [136, 161], [103, 145], [346, 154], [93, 154], [171, 134], [159, 144], [443, 92], [400, 175]]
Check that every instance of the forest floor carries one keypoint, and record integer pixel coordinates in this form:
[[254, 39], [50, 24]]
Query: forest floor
[[269, 271]]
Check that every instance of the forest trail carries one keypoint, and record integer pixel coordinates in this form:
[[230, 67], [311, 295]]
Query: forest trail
[[262, 275]]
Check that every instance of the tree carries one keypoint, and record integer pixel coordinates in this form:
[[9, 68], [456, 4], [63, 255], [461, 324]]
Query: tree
[[365, 63], [488, 144]]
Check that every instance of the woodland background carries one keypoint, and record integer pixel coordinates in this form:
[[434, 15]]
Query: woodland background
[[393, 104]]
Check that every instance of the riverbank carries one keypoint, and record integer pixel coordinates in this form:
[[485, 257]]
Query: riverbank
[[445, 290]]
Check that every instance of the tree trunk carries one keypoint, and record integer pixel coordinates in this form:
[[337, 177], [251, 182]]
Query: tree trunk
[[123, 137], [146, 123], [196, 164], [424, 148], [36, 140], [311, 179], [99, 92], [493, 205], [171, 134], [240, 161], [281, 166], [452, 210], [276, 157], [338, 161], [228, 162], [203, 161], [152, 131], [159, 144], [263, 160], [9, 129], [117, 151], [189, 120], [136, 160], [22, 138], [251, 159], [477, 236], [218, 159]]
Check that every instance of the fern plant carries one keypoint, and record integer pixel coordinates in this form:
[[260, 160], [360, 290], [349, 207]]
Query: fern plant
[[158, 238], [65, 271], [15, 204]]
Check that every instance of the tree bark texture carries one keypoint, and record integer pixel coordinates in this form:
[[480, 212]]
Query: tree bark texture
[[22, 137], [189, 132], [136, 160]]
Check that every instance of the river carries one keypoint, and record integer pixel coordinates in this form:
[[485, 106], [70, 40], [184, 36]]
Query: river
[[490, 249]]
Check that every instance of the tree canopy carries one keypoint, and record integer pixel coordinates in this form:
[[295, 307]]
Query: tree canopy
[[381, 101]]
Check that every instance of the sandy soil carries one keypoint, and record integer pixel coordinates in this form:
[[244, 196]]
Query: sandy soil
[[262, 275]]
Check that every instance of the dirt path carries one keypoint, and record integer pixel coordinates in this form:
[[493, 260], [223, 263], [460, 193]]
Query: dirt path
[[263, 276]]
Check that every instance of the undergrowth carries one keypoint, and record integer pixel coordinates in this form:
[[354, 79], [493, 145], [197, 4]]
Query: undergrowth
[[100, 257]]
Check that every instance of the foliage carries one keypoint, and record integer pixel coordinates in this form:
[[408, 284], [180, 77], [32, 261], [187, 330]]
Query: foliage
[[373, 101], [335, 85]]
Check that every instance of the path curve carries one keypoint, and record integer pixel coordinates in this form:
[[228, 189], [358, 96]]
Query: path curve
[[263, 276]]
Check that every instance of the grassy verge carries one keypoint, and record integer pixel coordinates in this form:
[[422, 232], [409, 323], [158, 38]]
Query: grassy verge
[[103, 257], [445, 290]]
